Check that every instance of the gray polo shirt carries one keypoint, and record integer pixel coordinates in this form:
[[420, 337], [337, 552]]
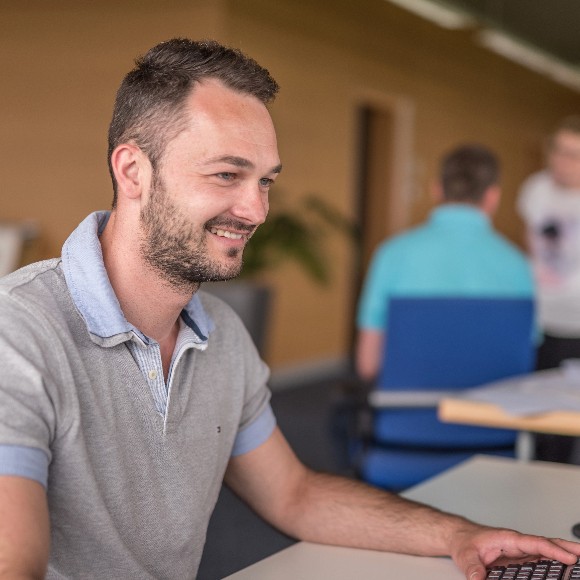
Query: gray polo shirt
[[133, 465]]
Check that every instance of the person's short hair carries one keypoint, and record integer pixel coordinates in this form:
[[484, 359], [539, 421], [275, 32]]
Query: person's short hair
[[569, 124], [467, 172], [150, 103]]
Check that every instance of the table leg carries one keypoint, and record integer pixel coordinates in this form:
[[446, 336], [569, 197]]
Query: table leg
[[525, 446]]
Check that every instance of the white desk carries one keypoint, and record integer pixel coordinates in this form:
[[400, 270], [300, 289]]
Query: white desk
[[536, 497]]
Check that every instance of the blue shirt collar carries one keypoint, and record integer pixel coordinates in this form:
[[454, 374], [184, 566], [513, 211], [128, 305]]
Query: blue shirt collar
[[461, 214], [93, 295]]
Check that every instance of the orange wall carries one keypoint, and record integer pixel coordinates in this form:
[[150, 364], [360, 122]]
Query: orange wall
[[62, 62], [329, 56]]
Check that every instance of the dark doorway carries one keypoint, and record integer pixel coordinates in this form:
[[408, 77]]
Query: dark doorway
[[381, 209]]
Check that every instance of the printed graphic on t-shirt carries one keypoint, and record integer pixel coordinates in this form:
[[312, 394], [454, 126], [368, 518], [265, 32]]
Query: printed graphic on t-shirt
[[555, 244]]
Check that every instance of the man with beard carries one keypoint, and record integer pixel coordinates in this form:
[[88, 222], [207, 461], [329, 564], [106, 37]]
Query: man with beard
[[126, 397]]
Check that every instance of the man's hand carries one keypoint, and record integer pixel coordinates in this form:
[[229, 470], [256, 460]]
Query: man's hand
[[476, 547], [328, 509]]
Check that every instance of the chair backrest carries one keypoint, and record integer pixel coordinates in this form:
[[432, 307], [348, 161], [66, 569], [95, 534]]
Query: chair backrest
[[455, 343]]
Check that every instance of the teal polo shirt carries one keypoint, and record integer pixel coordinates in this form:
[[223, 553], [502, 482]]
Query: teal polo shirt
[[455, 253]]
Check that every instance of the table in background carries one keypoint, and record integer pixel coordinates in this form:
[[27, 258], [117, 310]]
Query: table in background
[[535, 497], [470, 412]]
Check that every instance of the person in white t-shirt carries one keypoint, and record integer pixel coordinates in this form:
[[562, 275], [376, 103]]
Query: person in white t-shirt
[[549, 203]]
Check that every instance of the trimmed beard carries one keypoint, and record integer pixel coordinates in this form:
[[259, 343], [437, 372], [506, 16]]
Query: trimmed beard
[[171, 246]]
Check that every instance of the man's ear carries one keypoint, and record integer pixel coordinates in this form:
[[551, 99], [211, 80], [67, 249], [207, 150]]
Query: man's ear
[[491, 199], [436, 191], [132, 170]]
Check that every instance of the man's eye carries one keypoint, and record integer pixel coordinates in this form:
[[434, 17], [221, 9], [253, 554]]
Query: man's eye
[[226, 175], [266, 182]]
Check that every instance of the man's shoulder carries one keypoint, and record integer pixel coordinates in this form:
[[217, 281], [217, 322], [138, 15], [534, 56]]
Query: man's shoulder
[[402, 241], [508, 251], [37, 289], [220, 308], [539, 185], [27, 278], [234, 322]]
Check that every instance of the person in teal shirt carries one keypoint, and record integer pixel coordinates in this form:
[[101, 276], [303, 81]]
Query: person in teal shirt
[[456, 252]]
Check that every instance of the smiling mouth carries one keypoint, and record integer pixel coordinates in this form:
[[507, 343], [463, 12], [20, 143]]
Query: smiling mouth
[[228, 234]]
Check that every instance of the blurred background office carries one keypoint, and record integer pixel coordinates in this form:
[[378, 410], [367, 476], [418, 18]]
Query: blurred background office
[[372, 93]]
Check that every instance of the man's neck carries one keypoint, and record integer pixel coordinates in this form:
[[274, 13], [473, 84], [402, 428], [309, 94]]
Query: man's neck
[[148, 302]]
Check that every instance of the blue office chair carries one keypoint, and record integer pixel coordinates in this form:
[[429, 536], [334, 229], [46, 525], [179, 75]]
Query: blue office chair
[[434, 347]]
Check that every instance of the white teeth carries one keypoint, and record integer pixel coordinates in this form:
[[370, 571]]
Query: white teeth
[[226, 234]]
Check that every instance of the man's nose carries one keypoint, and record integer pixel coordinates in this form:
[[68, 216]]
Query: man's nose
[[251, 204]]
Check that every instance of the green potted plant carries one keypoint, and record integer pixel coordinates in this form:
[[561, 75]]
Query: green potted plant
[[296, 233]]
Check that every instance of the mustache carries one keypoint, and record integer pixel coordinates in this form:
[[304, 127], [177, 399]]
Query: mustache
[[222, 222]]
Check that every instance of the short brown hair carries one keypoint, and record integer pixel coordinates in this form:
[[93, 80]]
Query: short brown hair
[[570, 124], [150, 101], [467, 172]]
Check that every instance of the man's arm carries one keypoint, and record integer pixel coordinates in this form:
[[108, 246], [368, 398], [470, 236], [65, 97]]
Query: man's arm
[[333, 510], [24, 529], [369, 353]]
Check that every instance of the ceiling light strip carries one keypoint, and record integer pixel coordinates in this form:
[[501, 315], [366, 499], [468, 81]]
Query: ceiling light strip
[[530, 57], [440, 14]]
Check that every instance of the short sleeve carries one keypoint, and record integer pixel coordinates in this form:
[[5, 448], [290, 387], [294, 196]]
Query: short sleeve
[[27, 462], [372, 309], [256, 433], [532, 191], [522, 201], [257, 421], [27, 415]]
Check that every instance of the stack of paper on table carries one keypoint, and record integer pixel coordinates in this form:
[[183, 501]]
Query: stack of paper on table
[[539, 392]]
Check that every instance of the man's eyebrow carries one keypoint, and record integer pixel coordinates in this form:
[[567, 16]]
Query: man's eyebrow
[[240, 162], [232, 160]]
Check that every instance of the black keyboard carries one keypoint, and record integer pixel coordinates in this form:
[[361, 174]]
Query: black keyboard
[[541, 570]]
